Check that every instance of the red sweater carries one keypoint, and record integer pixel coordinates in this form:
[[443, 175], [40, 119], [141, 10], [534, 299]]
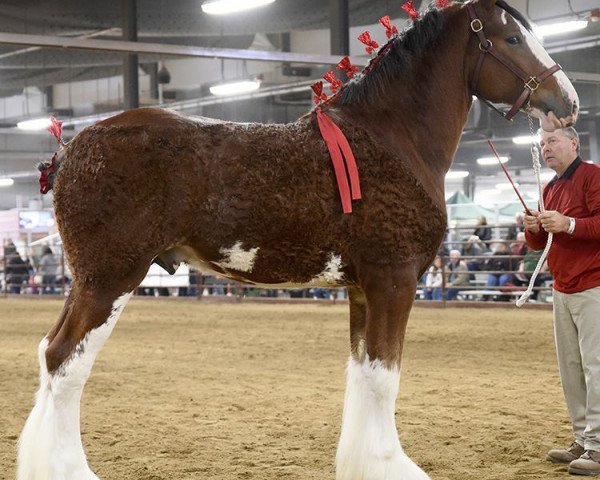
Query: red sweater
[[574, 260]]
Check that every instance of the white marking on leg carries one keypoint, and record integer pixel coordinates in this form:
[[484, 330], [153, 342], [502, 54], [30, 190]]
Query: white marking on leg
[[369, 448], [332, 272], [50, 445], [236, 258]]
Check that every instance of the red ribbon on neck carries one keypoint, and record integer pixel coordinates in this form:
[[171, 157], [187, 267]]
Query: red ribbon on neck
[[339, 150], [442, 3]]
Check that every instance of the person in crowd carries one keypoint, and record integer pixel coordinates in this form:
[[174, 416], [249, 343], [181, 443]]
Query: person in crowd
[[474, 247], [518, 248], [500, 266], [433, 281], [572, 215], [16, 270], [457, 275], [525, 271], [517, 228], [47, 270], [483, 231]]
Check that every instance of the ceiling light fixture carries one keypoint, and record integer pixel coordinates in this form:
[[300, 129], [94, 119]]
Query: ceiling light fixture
[[235, 88], [559, 28], [484, 161], [526, 140], [34, 124], [456, 174], [223, 7], [6, 182]]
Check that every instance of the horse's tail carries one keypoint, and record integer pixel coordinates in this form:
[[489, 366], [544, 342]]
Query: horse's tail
[[48, 169]]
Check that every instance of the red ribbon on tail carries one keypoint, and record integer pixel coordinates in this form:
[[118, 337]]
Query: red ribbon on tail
[[339, 150]]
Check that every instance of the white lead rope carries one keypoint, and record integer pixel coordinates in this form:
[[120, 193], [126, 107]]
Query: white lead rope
[[537, 167]]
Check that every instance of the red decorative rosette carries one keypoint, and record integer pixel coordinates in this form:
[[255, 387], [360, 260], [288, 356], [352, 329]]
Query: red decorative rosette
[[389, 28], [319, 95], [409, 8], [56, 129], [347, 67], [371, 44], [334, 82], [442, 3]]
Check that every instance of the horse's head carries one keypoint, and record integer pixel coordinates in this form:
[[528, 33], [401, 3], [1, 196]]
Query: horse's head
[[507, 64]]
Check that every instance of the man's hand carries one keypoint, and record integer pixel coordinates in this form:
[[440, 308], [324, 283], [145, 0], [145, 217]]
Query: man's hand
[[532, 222], [554, 222]]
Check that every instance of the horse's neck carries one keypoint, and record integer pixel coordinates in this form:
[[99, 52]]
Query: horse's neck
[[421, 115]]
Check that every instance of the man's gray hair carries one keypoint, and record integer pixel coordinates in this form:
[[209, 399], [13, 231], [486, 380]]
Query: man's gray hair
[[570, 133]]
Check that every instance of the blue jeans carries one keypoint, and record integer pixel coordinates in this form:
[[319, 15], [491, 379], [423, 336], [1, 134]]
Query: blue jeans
[[434, 294], [497, 280]]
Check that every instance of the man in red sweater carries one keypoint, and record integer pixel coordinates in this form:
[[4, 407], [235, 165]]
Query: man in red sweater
[[572, 204]]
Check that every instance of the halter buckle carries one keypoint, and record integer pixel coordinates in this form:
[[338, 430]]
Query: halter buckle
[[533, 83], [476, 25], [488, 45]]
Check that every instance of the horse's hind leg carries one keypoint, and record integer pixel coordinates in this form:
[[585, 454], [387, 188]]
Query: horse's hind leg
[[50, 445], [369, 448]]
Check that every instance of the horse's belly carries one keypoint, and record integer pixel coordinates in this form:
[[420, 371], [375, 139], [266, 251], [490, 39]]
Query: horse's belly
[[254, 267]]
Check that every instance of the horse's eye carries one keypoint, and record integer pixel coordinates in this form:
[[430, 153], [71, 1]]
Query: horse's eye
[[514, 40]]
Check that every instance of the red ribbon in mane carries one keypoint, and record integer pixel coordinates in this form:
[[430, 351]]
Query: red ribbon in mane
[[371, 44], [409, 8], [442, 3], [319, 95], [339, 150], [56, 129], [334, 82], [347, 67], [389, 28]]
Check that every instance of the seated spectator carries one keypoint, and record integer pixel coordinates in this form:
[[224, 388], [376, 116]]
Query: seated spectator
[[498, 263], [483, 231], [526, 269], [519, 246], [16, 271], [457, 275], [433, 281], [474, 248], [518, 227]]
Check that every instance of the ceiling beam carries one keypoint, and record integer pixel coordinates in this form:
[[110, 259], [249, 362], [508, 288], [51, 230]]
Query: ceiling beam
[[172, 50]]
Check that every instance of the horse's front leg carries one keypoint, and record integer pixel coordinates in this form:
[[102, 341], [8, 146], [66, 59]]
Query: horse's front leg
[[369, 448]]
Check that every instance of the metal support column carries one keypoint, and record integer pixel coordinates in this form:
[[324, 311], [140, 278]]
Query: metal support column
[[594, 139], [130, 61], [339, 25]]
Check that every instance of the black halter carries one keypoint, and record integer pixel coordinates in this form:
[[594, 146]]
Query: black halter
[[531, 83]]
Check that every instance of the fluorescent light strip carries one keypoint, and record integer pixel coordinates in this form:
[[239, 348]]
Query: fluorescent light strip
[[235, 88], [456, 174], [526, 140], [34, 124], [491, 160], [223, 7], [559, 28], [6, 182]]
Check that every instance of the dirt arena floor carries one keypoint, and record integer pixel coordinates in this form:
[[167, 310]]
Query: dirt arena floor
[[192, 390]]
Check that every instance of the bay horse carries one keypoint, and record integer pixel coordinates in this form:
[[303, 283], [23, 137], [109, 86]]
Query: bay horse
[[260, 204]]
